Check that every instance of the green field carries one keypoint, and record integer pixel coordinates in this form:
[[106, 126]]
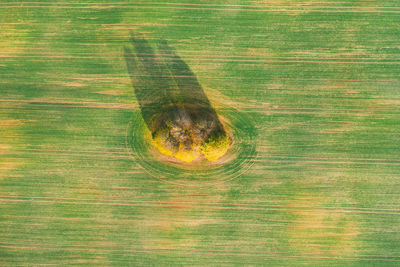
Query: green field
[[312, 92]]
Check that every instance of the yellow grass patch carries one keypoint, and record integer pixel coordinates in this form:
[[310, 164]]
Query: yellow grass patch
[[216, 148], [187, 155]]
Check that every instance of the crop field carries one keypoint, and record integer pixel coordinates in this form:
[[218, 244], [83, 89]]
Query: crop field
[[308, 91]]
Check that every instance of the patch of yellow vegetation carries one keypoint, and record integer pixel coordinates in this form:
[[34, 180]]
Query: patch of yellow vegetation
[[187, 155], [183, 154], [212, 150], [215, 148], [159, 140]]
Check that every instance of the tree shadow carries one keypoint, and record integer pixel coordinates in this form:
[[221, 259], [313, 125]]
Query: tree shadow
[[165, 85]]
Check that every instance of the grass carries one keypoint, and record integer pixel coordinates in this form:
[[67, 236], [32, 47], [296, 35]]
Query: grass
[[319, 82]]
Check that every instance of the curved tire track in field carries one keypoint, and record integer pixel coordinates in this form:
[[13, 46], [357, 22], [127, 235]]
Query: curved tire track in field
[[243, 152]]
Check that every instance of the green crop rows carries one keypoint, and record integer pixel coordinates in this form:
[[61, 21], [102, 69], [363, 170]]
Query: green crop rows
[[316, 91]]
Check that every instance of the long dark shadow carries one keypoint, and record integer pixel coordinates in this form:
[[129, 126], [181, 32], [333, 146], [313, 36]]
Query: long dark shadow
[[166, 87]]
